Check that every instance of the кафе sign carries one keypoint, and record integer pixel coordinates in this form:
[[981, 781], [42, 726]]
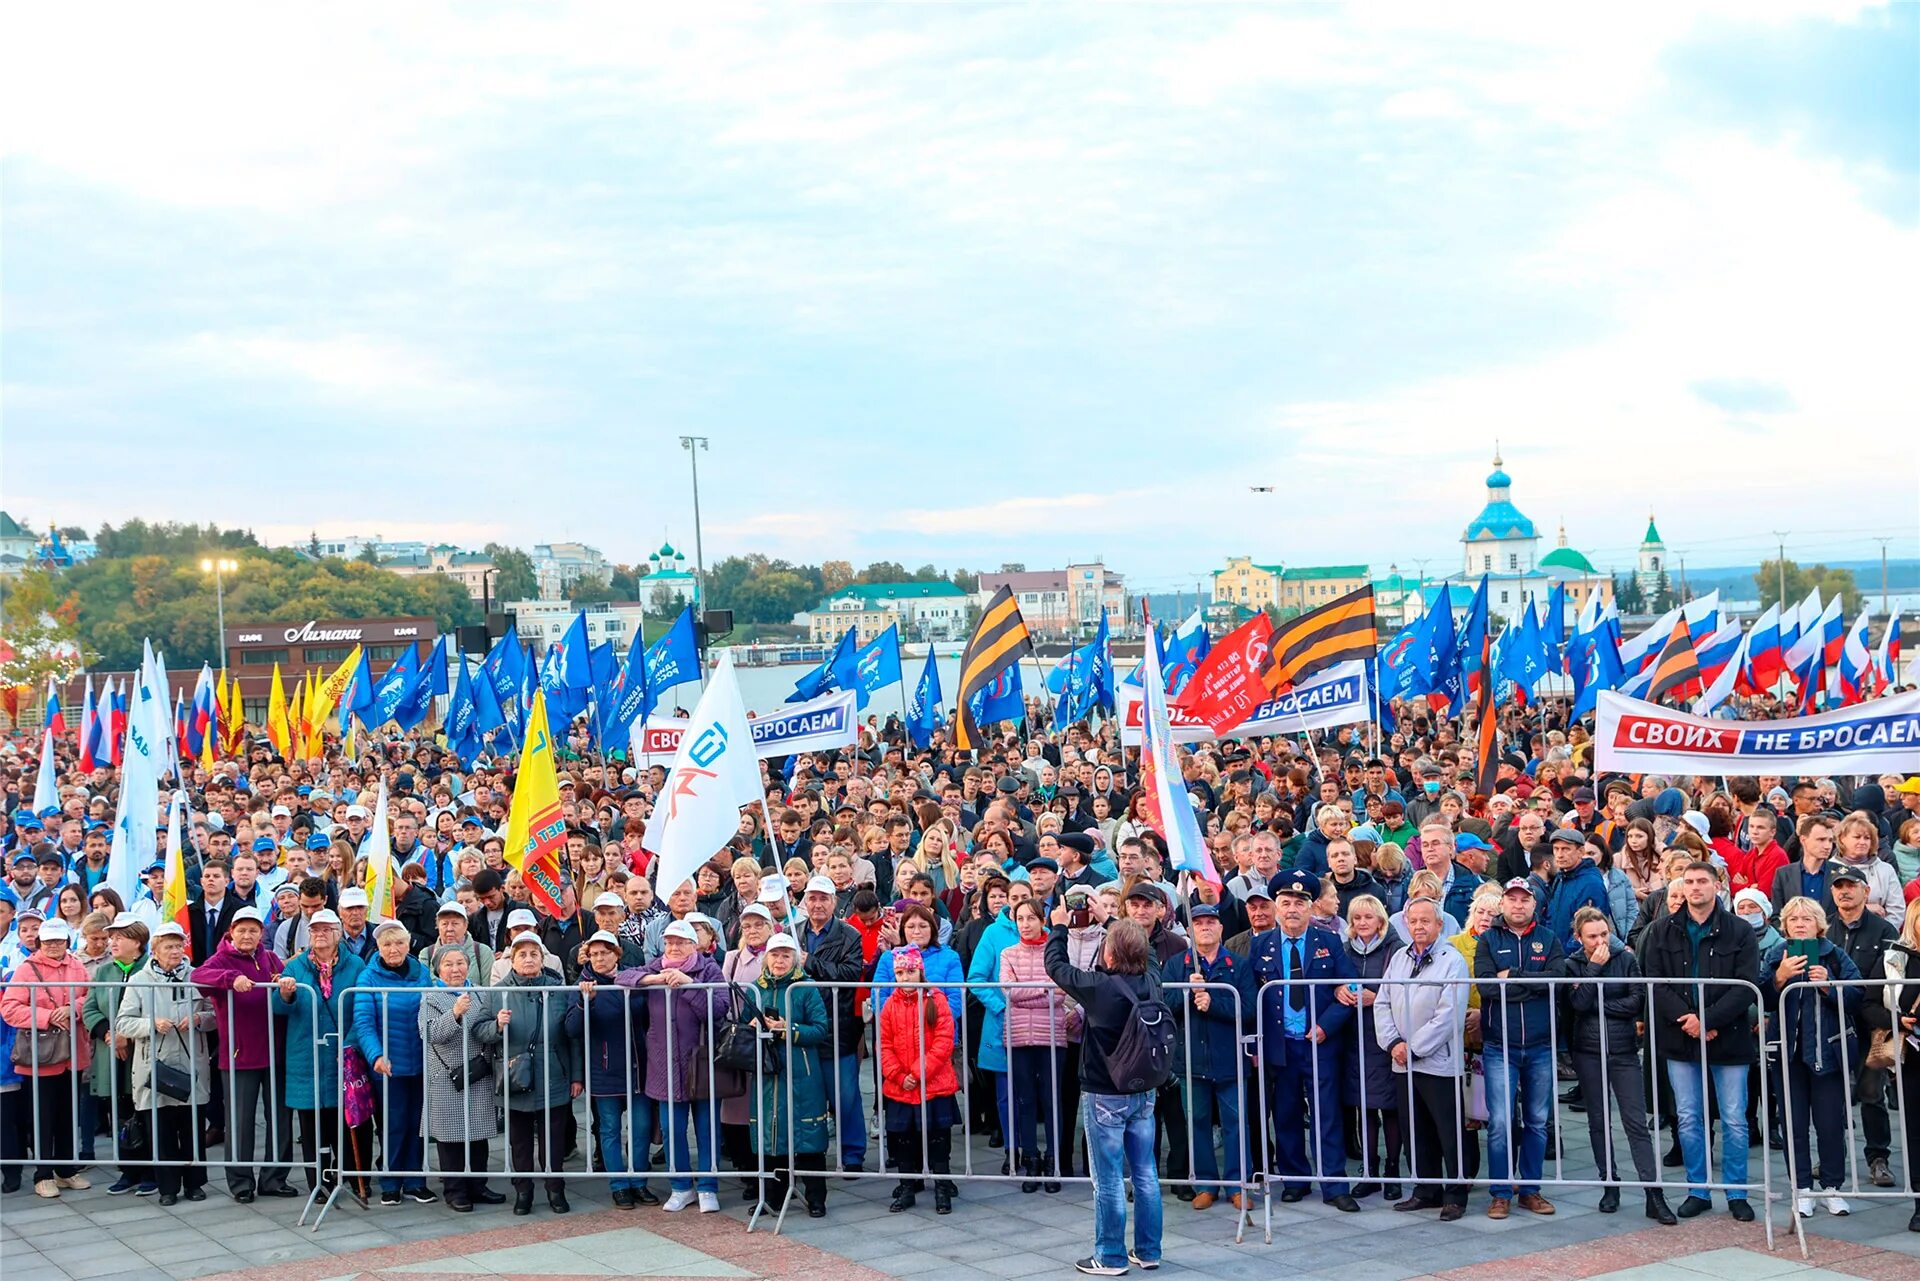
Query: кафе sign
[[298, 644]]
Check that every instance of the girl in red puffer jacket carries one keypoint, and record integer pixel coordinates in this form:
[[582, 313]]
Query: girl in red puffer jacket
[[915, 1035]]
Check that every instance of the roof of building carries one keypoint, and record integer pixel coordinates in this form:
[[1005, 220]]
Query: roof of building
[[11, 528], [1499, 519], [1268, 569], [1026, 580], [1306, 572], [1568, 559], [666, 552], [875, 594], [1653, 535]]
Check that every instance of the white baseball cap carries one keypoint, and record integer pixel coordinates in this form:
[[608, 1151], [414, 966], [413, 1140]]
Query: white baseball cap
[[821, 885], [609, 899], [356, 811], [757, 910], [123, 920], [325, 916], [249, 914], [771, 894], [678, 930], [281, 811], [604, 936], [166, 929], [526, 940], [55, 929], [522, 918], [783, 939], [451, 908], [353, 896]]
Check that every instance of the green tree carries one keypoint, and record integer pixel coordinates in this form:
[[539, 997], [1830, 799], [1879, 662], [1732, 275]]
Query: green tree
[[883, 571], [625, 582], [966, 580], [591, 589], [1628, 596], [39, 635], [170, 538], [1799, 581], [663, 601], [515, 579], [313, 543]]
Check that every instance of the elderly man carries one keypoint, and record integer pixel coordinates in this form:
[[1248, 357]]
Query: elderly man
[[1422, 1027], [1457, 884], [834, 954], [453, 933]]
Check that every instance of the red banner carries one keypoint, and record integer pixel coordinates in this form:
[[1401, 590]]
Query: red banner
[[1226, 688]]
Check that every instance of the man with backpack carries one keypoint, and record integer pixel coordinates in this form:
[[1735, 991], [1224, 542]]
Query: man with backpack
[[1127, 1053]]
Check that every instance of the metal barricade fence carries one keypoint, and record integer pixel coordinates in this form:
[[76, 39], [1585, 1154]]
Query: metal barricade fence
[[159, 1142], [387, 1129], [1061, 1135], [1510, 997], [1809, 1099]]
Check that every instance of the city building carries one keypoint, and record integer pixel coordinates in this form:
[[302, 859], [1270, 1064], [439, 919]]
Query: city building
[[314, 645], [1289, 590], [469, 569], [934, 610], [669, 584], [1398, 599], [17, 545], [354, 546], [1247, 584], [1653, 561], [1503, 545], [541, 622], [1061, 602], [557, 566]]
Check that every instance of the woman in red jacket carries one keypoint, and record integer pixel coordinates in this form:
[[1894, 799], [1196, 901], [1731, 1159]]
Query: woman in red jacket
[[915, 1035]]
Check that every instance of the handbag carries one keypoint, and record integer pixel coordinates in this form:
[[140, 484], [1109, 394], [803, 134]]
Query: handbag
[[520, 1068], [356, 1087], [1879, 1050], [739, 1044], [42, 1047], [172, 1080], [478, 1067]]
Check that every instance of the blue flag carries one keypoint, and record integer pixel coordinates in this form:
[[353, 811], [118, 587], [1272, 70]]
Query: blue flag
[[1553, 628], [874, 666], [505, 671], [1401, 664], [564, 702], [1190, 644], [1388, 725], [395, 687], [1523, 658], [1088, 686], [923, 716], [629, 698], [571, 656], [359, 696], [487, 714], [419, 702], [1600, 656], [1473, 628], [1001, 700], [1159, 649], [463, 718], [674, 659], [826, 677]]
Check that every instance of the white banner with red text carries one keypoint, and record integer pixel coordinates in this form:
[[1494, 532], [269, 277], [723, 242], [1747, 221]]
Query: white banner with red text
[[818, 725], [1637, 737], [1337, 696]]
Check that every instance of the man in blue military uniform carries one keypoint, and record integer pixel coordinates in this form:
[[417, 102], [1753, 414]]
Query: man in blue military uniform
[[1300, 1029]]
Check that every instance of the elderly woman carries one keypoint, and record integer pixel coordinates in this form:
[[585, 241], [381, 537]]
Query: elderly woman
[[111, 1083], [1814, 1032], [460, 1029], [51, 1051], [313, 1001], [1367, 1072], [793, 1106], [162, 1014], [743, 965], [386, 1027], [611, 1023], [683, 1000], [544, 1070], [452, 935]]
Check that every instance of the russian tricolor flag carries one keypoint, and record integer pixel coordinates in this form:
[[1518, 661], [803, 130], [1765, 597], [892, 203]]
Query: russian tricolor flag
[[88, 733], [1717, 650], [1856, 664], [55, 719], [1766, 661], [1887, 661]]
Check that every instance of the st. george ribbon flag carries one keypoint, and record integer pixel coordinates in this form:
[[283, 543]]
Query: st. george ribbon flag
[[1875, 737]]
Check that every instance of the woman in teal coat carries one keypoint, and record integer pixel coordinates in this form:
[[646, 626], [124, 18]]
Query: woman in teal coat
[[312, 999], [797, 1017]]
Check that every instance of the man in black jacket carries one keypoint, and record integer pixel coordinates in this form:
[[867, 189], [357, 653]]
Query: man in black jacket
[[1120, 1126], [1864, 936], [1705, 941], [834, 955], [488, 922]]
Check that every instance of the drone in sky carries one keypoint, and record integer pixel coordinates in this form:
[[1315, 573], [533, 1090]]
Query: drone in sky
[[1261, 489]]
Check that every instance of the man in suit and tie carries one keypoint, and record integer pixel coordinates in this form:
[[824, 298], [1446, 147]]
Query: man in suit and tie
[[1300, 1029]]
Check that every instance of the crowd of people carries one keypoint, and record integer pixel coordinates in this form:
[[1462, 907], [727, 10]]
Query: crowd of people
[[1388, 990]]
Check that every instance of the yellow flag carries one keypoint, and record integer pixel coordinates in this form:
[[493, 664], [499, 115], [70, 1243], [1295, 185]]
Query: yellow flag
[[328, 693], [381, 873], [536, 828], [233, 721], [279, 732], [173, 894]]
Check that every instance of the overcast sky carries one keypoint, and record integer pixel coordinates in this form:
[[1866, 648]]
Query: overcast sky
[[968, 284]]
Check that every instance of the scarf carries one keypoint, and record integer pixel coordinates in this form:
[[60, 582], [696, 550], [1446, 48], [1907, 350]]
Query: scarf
[[1907, 859]]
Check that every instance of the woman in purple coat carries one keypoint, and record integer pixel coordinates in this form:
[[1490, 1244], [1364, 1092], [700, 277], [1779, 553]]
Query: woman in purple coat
[[679, 1080]]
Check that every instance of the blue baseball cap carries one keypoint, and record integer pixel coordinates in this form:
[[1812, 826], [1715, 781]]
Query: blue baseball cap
[[158, 865], [1205, 909], [1468, 841], [264, 845], [318, 841], [24, 856], [32, 824], [1304, 884], [305, 789]]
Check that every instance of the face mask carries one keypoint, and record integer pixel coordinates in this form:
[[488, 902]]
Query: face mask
[[1432, 786], [1758, 923]]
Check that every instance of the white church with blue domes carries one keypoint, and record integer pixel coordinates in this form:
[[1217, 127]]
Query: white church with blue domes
[[1504, 545]]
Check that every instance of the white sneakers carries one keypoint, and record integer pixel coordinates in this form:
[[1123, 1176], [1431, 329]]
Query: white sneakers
[[710, 1203], [51, 1187], [1836, 1206], [681, 1200], [47, 1188]]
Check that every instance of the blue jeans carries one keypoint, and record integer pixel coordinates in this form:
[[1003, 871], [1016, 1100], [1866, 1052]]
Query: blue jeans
[[1120, 1147], [850, 1112], [613, 1153], [397, 1104], [1528, 1073], [1690, 1115], [678, 1115], [1211, 1103]]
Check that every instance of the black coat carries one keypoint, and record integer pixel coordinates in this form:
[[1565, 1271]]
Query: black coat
[[837, 957], [1600, 1016], [416, 910], [1865, 942], [1730, 950]]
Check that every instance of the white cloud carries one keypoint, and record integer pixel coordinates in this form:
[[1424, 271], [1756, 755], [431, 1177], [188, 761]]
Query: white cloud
[[350, 366]]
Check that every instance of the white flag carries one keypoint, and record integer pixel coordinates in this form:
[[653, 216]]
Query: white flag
[[378, 850], [46, 795], [715, 772], [149, 723]]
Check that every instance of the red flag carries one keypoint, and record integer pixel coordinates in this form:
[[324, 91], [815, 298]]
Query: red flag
[[1226, 687]]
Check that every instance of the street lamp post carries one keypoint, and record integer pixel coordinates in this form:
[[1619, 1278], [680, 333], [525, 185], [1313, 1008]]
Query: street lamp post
[[219, 567], [688, 443]]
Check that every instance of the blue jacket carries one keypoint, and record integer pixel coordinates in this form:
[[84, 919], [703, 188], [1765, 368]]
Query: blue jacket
[[995, 939], [1568, 892], [1366, 1069], [1811, 1025], [1323, 956], [1211, 1036], [1515, 1013], [614, 1028], [315, 1025], [942, 967], [1459, 900], [1312, 856], [386, 1019]]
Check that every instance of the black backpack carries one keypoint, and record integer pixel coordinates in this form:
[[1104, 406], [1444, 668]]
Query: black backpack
[[1143, 1057]]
